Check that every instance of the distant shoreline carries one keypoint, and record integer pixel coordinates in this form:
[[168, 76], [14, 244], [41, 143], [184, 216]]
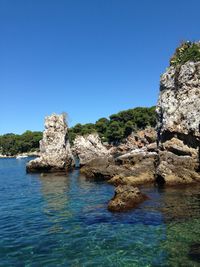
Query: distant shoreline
[[23, 155]]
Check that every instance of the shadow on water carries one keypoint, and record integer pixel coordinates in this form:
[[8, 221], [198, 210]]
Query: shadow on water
[[54, 190], [88, 201]]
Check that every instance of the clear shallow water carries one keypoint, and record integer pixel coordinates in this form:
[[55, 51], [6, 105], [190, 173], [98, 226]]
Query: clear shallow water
[[63, 221]]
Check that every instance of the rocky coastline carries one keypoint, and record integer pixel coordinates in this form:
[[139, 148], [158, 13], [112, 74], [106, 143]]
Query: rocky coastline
[[167, 155], [178, 125]]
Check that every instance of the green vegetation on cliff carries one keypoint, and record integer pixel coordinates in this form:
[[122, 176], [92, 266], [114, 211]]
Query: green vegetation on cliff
[[118, 126], [187, 51], [12, 144]]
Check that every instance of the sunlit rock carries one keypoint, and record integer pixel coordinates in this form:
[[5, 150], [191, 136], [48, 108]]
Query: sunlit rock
[[55, 151], [178, 127]]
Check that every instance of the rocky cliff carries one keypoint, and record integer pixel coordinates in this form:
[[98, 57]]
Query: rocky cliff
[[178, 126], [55, 151], [89, 147]]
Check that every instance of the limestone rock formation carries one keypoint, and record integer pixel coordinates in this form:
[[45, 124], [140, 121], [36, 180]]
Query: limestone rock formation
[[135, 167], [104, 168], [88, 148], [141, 164], [126, 197], [55, 151], [137, 140], [135, 158], [179, 124]]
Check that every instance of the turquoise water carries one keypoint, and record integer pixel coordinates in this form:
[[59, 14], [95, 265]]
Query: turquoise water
[[63, 221]]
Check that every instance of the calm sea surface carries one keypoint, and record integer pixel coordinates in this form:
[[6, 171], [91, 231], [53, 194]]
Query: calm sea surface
[[63, 221]]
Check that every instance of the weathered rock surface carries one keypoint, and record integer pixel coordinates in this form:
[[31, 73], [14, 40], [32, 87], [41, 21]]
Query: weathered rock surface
[[179, 124], [104, 169], [135, 167], [55, 151], [142, 168], [88, 148], [126, 197], [137, 140], [130, 159]]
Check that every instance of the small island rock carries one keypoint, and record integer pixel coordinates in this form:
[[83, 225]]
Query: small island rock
[[55, 151], [126, 197]]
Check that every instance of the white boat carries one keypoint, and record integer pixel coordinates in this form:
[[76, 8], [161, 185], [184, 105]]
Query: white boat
[[21, 157]]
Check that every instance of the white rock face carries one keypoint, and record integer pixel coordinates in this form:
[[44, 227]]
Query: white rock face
[[179, 102], [179, 124], [87, 148], [55, 149]]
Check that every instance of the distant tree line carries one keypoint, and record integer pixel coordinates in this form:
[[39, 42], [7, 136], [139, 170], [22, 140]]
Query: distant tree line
[[118, 126], [12, 144], [112, 130]]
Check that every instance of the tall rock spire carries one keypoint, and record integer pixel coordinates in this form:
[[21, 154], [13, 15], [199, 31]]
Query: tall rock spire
[[55, 149]]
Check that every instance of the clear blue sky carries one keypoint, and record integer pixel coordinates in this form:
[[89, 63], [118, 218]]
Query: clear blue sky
[[90, 58]]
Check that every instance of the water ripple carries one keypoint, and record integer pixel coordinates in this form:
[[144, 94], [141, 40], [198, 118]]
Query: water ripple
[[63, 221]]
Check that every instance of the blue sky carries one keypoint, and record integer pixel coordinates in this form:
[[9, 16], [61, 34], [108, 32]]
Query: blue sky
[[89, 58]]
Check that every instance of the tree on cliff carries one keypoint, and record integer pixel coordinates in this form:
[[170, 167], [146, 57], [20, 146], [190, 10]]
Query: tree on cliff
[[115, 132], [125, 122], [187, 51]]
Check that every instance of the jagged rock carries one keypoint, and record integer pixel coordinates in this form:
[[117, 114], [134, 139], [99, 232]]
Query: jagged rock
[[104, 169], [136, 140], [179, 124], [177, 147], [174, 169], [88, 148], [135, 157], [55, 152], [142, 168], [98, 162], [152, 147], [179, 102], [126, 197], [148, 135], [138, 165], [144, 177]]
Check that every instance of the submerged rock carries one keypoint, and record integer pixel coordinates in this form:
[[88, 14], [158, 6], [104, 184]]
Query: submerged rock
[[126, 197], [88, 148], [55, 151], [179, 124]]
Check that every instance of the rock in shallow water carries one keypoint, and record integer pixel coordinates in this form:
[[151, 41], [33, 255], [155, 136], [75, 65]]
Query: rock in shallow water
[[89, 147], [137, 164], [126, 197], [55, 151], [103, 169]]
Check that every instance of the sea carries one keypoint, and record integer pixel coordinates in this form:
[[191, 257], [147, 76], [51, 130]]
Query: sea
[[62, 220]]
